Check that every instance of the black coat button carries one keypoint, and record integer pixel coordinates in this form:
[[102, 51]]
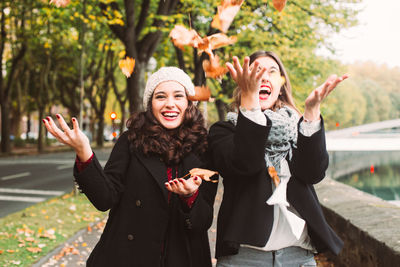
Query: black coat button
[[138, 203], [130, 237]]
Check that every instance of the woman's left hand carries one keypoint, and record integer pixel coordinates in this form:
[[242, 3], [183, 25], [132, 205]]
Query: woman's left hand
[[184, 187], [313, 101]]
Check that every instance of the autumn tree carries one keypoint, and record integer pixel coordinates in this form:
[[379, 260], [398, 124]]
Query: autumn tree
[[138, 24], [294, 34]]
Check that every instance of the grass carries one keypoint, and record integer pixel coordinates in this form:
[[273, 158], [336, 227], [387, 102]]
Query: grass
[[30, 234]]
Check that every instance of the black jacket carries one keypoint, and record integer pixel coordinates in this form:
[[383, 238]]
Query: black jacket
[[143, 229], [244, 217]]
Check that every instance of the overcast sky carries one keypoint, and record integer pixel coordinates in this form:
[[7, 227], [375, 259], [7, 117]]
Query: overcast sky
[[376, 38]]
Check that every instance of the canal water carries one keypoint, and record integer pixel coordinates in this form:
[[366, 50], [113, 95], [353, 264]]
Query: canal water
[[376, 173]]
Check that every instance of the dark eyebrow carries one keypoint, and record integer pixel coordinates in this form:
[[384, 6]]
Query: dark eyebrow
[[273, 67]]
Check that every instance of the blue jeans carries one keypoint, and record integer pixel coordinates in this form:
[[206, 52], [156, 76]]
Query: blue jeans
[[286, 257]]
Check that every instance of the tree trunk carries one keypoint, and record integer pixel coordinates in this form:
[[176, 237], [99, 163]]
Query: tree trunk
[[40, 144], [136, 85], [100, 131], [5, 127], [221, 109]]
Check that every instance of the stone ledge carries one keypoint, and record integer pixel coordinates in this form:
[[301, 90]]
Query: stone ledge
[[369, 226]]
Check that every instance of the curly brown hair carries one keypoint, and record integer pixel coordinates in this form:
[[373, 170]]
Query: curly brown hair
[[148, 136]]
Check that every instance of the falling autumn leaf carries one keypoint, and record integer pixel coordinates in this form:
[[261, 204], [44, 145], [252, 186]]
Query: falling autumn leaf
[[127, 65], [215, 41], [202, 93], [225, 14], [203, 174], [181, 37], [274, 175], [60, 3], [213, 69], [279, 4]]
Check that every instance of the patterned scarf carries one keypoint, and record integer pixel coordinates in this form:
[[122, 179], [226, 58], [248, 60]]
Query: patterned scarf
[[282, 136]]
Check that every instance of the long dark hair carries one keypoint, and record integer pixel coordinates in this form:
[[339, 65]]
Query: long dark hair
[[148, 136], [285, 95]]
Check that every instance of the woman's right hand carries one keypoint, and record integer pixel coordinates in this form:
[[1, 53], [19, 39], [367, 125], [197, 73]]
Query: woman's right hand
[[248, 80], [74, 138]]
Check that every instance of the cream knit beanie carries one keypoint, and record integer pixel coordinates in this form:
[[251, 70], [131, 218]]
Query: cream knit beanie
[[165, 74]]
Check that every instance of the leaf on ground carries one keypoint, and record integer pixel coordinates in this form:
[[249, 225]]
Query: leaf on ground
[[34, 249]]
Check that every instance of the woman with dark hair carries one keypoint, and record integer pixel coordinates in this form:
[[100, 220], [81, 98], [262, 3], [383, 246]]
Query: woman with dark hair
[[269, 157], [156, 218]]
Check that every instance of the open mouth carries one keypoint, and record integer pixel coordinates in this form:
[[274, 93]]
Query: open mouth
[[170, 115], [264, 92]]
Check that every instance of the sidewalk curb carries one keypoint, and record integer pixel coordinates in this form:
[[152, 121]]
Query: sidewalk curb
[[58, 249]]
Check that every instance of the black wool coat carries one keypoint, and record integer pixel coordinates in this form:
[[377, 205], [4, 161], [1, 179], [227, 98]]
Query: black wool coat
[[143, 228], [244, 217]]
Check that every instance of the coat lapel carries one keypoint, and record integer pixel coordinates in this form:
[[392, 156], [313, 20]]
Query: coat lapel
[[157, 169], [189, 162]]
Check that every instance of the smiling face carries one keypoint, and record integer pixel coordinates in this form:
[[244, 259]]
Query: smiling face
[[169, 103], [271, 82]]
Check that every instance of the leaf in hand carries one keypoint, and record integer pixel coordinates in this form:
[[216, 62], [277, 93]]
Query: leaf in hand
[[274, 175], [202, 93], [203, 174], [181, 37], [279, 4], [225, 14], [60, 3], [127, 65], [213, 69]]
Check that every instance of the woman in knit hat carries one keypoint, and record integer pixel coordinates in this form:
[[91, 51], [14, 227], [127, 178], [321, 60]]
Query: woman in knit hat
[[269, 157], [156, 218]]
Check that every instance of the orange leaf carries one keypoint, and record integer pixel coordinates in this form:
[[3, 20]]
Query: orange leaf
[[202, 93], [127, 65], [1, 251], [181, 37], [34, 250], [225, 14], [10, 250], [203, 174], [60, 3], [213, 69], [89, 228], [279, 4], [274, 175], [215, 41]]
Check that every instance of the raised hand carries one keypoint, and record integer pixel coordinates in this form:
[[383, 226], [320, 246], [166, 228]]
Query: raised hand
[[313, 101], [248, 80], [74, 138], [184, 187]]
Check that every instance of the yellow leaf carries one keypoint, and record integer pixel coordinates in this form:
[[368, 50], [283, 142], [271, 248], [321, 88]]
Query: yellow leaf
[[127, 65]]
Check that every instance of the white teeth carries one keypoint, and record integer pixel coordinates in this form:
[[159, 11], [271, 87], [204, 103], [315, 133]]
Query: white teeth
[[170, 114]]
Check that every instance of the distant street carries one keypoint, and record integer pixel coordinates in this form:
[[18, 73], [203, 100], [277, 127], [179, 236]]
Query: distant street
[[27, 180]]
